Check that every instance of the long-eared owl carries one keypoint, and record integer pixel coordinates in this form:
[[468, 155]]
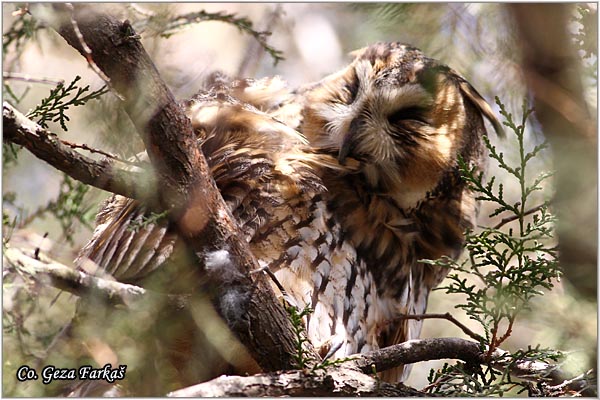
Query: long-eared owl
[[340, 187]]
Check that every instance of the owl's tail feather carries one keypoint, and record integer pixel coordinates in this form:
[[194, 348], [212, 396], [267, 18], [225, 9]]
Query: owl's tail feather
[[405, 330], [402, 330]]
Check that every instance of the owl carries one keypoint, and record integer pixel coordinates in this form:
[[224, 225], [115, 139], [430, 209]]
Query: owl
[[340, 187]]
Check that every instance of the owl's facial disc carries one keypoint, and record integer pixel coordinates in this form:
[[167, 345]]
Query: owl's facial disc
[[392, 109], [383, 120]]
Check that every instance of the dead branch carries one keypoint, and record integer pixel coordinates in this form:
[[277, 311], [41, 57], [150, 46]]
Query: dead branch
[[198, 210], [45, 145]]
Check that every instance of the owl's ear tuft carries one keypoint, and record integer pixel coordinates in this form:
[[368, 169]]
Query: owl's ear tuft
[[483, 106]]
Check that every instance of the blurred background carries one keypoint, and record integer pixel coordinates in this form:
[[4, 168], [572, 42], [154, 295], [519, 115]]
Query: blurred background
[[481, 41]]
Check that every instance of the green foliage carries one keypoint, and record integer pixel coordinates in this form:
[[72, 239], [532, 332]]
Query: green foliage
[[166, 26], [53, 107], [23, 28], [512, 265], [302, 358], [464, 379]]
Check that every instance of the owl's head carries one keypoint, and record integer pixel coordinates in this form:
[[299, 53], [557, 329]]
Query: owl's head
[[394, 109]]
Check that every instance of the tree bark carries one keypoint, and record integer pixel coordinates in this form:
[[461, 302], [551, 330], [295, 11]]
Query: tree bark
[[188, 190], [338, 382]]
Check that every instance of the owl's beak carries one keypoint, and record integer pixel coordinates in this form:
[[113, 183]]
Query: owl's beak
[[349, 141]]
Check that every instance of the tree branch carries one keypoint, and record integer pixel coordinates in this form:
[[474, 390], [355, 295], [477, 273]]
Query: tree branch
[[340, 381], [32, 79], [351, 378], [45, 145], [82, 284], [414, 351], [188, 190], [354, 377]]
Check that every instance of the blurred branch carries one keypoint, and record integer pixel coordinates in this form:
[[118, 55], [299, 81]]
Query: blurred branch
[[71, 280], [188, 190], [255, 50], [28, 78], [243, 24], [45, 145], [552, 71], [82, 284]]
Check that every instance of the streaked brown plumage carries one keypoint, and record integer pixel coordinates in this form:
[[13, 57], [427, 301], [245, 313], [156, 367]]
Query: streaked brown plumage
[[340, 187]]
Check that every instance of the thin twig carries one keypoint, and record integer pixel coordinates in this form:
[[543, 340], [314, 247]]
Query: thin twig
[[15, 76], [506, 220], [492, 346], [255, 50], [446, 316], [84, 146], [508, 332]]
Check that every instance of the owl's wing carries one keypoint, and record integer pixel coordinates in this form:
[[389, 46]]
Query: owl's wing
[[258, 165]]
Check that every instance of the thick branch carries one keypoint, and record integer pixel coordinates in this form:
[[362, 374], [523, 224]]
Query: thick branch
[[201, 215], [45, 145], [343, 382], [414, 351], [470, 352], [354, 377]]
